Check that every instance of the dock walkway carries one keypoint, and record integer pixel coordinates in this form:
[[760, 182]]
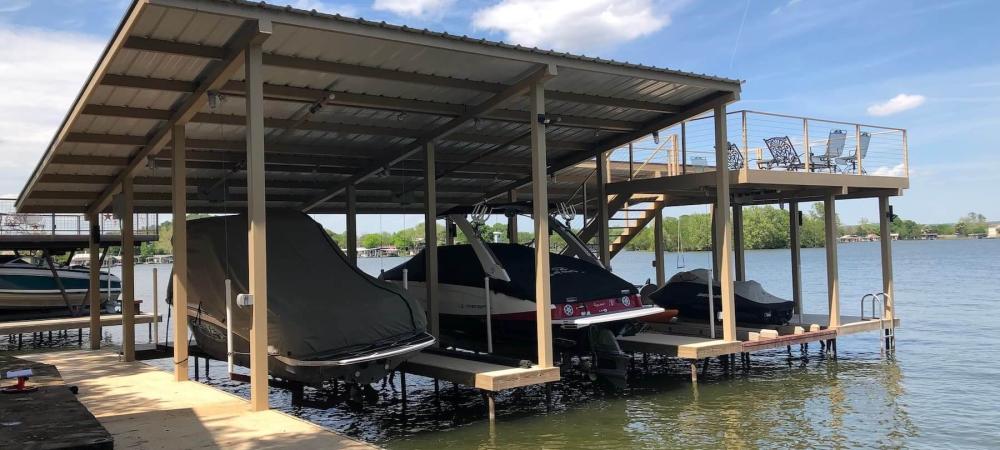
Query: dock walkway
[[142, 407]]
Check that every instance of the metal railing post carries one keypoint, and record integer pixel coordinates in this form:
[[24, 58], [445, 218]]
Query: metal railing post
[[857, 147], [805, 143], [745, 150], [906, 156], [684, 152]]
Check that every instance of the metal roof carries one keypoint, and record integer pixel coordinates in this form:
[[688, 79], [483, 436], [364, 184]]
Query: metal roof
[[346, 101]]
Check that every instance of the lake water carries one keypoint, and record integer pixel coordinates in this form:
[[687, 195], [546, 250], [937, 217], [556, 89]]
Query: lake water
[[941, 388]]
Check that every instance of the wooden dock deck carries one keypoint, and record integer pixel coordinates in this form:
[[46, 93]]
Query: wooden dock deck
[[478, 374], [142, 407]]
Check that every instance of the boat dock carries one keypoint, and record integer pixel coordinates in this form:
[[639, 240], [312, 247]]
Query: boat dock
[[141, 407], [225, 106]]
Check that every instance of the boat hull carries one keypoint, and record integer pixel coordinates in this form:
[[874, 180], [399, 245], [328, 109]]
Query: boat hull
[[29, 289], [753, 305]]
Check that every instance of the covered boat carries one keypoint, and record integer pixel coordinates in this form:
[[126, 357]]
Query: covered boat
[[27, 285], [687, 292], [326, 318], [590, 304]]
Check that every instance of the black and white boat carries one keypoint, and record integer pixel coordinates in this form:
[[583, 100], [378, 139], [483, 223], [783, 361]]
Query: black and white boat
[[590, 305], [687, 292], [27, 286], [327, 320]]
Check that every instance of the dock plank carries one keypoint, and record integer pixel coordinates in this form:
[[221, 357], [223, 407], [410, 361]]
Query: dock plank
[[66, 323], [482, 375], [142, 407], [689, 347]]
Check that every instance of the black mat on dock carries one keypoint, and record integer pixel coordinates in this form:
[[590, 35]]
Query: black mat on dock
[[48, 418]]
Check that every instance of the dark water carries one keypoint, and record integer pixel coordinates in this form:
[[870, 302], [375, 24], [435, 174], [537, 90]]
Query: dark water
[[939, 390]]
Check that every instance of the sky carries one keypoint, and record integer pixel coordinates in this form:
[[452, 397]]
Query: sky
[[932, 67]]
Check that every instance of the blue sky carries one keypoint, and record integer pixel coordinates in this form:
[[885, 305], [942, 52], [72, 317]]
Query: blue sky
[[844, 60]]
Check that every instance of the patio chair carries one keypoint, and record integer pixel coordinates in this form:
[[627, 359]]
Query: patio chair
[[735, 157], [783, 154], [850, 162], [834, 150]]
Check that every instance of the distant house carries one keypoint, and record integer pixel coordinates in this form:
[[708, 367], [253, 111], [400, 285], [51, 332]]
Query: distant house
[[993, 230]]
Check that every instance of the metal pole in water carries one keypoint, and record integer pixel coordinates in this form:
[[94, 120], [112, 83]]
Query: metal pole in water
[[156, 310], [229, 325], [489, 319], [711, 304]]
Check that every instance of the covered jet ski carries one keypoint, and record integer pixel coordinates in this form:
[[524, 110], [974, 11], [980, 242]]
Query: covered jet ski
[[687, 292], [326, 318], [590, 305]]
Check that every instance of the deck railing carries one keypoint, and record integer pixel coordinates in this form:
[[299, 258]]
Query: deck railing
[[41, 224], [690, 147]]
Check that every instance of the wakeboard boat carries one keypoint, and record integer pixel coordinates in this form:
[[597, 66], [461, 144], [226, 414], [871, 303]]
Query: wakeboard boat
[[591, 306], [327, 320]]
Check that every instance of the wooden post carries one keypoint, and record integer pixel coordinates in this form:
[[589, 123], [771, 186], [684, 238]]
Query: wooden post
[[684, 148], [128, 272], [430, 238], [95, 282], [540, 206], [857, 148], [661, 276], [712, 214], [795, 243], [178, 198], [832, 280], [603, 238], [885, 239], [512, 220], [805, 143], [723, 229], [352, 224], [738, 244], [258, 229]]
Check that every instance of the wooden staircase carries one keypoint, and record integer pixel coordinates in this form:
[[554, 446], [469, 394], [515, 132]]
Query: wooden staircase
[[628, 215]]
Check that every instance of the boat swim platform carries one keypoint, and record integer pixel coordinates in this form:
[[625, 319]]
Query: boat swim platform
[[67, 323], [143, 407]]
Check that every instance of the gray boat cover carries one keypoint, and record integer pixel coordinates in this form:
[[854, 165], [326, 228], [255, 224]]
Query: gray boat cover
[[319, 305], [749, 289]]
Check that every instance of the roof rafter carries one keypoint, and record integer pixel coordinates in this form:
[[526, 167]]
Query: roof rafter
[[252, 32]]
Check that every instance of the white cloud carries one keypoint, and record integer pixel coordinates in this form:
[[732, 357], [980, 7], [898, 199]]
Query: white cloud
[[324, 7], [786, 5], [414, 8], [9, 6], [897, 104], [41, 71], [898, 170], [572, 25]]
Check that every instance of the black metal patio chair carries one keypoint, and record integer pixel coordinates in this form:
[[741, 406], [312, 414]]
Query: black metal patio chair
[[783, 154]]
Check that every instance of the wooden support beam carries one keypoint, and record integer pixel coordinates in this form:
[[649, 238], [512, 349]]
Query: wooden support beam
[[95, 282], [540, 209], [795, 243], [350, 99], [128, 271], [832, 273], [352, 224], [723, 229], [178, 201], [660, 258], [253, 32], [603, 217], [885, 241], [339, 68], [257, 235], [430, 239], [738, 243], [539, 75]]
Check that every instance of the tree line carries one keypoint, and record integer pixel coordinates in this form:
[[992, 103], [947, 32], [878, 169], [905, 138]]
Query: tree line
[[764, 227]]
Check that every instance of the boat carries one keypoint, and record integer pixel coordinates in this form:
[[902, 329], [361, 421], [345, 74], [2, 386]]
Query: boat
[[28, 286], [327, 320], [591, 306], [687, 292]]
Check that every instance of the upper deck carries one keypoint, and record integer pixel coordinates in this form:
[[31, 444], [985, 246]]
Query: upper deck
[[33, 231], [771, 158]]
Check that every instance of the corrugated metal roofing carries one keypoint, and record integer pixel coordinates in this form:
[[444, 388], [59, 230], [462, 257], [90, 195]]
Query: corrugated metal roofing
[[343, 95]]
